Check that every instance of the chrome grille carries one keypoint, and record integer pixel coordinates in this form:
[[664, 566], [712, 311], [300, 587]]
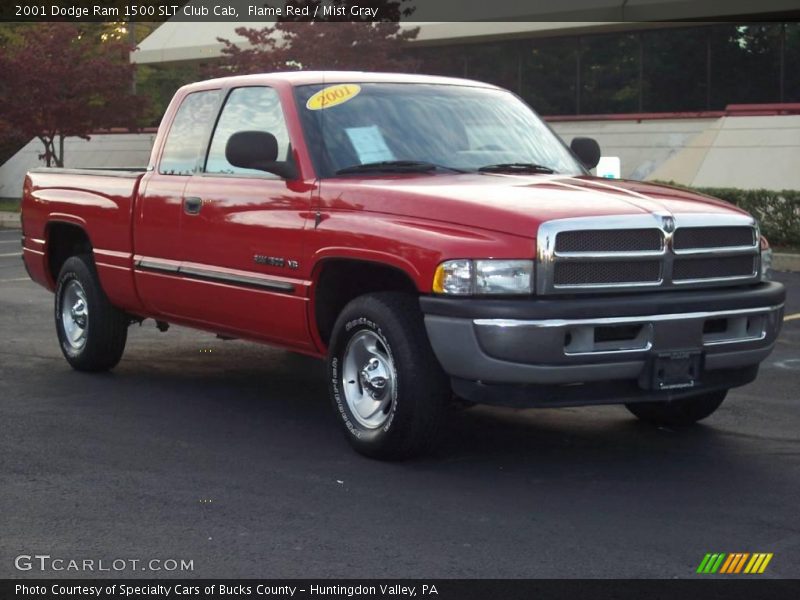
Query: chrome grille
[[712, 237], [594, 273], [609, 240], [714, 268], [590, 254]]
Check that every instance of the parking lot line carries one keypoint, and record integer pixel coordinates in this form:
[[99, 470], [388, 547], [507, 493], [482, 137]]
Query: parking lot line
[[793, 317], [10, 254], [15, 279]]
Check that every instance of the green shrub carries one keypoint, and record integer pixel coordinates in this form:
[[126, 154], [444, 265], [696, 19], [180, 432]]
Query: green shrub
[[778, 213], [9, 204]]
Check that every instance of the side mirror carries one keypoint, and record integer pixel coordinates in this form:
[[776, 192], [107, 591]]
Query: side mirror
[[257, 150], [587, 150]]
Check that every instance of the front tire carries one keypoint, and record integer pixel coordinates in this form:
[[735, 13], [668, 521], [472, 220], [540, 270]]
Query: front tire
[[679, 413], [91, 332], [386, 385]]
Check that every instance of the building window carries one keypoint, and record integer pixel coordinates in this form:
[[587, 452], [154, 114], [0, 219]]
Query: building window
[[549, 75], [609, 74], [745, 64], [496, 63], [791, 60], [675, 70]]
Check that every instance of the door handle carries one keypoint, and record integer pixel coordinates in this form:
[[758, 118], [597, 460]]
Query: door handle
[[192, 205]]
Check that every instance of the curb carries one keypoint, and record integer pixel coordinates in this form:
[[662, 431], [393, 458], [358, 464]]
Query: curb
[[782, 261], [9, 220]]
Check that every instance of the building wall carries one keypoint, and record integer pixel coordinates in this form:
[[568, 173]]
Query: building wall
[[740, 152], [747, 152], [103, 150], [642, 146]]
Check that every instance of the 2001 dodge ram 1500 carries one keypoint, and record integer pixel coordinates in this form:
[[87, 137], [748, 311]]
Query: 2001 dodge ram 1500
[[429, 236]]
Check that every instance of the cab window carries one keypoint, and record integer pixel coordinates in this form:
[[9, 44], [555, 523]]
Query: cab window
[[188, 133], [247, 109]]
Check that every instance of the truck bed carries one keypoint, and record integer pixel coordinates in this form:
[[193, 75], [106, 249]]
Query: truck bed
[[98, 200], [104, 171]]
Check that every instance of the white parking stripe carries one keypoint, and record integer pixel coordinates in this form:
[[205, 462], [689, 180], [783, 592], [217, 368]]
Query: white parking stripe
[[11, 254], [14, 280], [793, 317]]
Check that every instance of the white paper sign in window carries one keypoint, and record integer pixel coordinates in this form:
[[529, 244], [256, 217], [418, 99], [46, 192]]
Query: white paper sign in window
[[369, 144]]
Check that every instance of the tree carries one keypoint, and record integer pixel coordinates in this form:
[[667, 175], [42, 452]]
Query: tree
[[61, 81], [341, 41]]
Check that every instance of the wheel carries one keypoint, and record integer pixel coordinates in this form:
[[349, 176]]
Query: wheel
[[91, 332], [386, 385], [676, 413]]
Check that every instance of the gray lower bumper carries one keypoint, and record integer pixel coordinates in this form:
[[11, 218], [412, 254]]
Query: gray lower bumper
[[562, 351]]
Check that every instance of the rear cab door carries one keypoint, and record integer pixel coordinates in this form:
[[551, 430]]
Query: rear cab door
[[160, 204]]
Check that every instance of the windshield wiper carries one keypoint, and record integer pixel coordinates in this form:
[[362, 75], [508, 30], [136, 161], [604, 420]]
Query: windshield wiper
[[516, 168], [397, 166]]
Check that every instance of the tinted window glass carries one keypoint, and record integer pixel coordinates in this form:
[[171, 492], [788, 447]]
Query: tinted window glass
[[745, 64], [497, 64], [609, 74], [188, 132], [435, 61], [549, 75], [692, 68], [675, 70], [247, 109], [791, 80]]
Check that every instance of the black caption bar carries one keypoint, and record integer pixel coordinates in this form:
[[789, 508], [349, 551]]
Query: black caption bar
[[396, 10], [448, 589]]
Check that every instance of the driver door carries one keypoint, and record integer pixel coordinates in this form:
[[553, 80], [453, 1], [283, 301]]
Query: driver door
[[242, 231]]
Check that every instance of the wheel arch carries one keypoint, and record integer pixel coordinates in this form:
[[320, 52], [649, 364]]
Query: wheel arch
[[339, 279], [64, 239]]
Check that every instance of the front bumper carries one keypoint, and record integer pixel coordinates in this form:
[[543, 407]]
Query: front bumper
[[493, 347]]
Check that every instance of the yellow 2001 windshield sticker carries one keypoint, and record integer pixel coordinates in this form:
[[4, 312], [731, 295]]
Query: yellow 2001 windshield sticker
[[333, 95]]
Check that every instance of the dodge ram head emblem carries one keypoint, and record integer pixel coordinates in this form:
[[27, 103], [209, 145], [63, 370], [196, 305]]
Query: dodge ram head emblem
[[668, 224]]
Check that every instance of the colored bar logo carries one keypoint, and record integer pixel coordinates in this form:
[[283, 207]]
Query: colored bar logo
[[737, 562]]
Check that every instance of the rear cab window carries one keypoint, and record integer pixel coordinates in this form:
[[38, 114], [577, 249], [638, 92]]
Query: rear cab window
[[188, 133]]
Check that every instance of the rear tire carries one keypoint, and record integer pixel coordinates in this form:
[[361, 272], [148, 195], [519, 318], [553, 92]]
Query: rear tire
[[678, 413], [386, 385], [91, 332]]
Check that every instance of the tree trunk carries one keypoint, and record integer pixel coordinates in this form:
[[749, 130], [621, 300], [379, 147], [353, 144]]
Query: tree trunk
[[60, 156], [51, 156], [48, 152]]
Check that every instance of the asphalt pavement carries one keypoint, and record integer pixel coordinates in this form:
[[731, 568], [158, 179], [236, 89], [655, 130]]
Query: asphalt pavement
[[227, 454]]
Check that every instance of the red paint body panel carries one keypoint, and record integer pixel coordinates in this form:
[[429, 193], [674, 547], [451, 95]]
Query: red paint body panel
[[100, 204], [144, 241]]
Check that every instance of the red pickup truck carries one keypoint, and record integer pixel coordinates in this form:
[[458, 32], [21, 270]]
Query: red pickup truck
[[431, 237]]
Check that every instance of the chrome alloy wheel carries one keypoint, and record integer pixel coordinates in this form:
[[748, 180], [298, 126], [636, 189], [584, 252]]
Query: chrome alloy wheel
[[74, 314], [368, 379]]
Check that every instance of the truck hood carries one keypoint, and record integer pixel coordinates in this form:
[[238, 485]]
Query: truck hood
[[513, 203]]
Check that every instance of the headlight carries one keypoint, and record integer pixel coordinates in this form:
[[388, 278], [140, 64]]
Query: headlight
[[482, 277], [766, 259]]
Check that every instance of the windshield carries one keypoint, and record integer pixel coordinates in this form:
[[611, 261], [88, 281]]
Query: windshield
[[438, 126]]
